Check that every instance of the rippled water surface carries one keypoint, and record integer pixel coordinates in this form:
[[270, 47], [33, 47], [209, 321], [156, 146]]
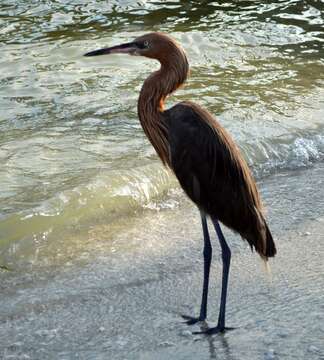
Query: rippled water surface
[[71, 146], [69, 128]]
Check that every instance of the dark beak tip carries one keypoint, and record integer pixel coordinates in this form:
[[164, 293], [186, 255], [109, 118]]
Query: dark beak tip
[[96, 52], [88, 54]]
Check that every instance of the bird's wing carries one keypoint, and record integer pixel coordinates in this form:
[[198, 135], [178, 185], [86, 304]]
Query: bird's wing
[[213, 173], [201, 151]]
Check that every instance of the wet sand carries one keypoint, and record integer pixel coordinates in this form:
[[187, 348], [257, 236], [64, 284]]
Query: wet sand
[[126, 302]]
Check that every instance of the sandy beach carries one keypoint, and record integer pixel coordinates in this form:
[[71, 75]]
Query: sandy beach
[[126, 301]]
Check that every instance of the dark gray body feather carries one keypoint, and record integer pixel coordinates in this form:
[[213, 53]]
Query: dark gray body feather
[[213, 173]]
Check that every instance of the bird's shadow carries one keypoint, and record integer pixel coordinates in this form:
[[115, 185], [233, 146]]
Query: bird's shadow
[[217, 345]]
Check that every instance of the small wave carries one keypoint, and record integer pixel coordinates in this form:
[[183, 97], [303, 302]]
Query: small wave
[[110, 195], [117, 194], [289, 152]]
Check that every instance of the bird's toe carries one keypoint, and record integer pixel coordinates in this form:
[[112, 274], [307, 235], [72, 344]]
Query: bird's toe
[[213, 330], [190, 320]]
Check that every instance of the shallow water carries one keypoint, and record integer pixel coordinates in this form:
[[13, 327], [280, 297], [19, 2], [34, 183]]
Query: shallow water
[[69, 129], [126, 299]]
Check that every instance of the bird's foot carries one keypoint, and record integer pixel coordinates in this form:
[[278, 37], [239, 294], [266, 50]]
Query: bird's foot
[[215, 330], [190, 320]]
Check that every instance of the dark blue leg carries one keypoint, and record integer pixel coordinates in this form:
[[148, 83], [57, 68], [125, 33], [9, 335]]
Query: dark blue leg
[[207, 260], [226, 258]]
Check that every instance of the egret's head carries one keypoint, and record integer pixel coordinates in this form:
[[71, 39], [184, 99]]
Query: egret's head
[[157, 46]]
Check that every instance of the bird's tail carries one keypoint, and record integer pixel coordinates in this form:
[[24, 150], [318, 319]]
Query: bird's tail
[[270, 248], [265, 245], [262, 239]]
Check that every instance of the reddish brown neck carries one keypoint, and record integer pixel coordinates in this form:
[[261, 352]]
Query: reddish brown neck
[[155, 90]]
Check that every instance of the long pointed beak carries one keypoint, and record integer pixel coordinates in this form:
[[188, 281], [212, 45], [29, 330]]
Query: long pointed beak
[[128, 48]]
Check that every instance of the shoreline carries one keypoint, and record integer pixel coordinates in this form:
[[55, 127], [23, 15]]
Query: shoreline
[[125, 300]]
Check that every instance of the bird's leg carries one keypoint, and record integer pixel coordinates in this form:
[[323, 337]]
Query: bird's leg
[[207, 260], [226, 258]]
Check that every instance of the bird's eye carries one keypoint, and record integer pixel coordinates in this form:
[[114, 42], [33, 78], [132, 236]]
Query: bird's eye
[[146, 44]]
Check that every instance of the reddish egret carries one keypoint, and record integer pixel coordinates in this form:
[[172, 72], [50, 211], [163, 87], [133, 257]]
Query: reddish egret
[[202, 155]]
